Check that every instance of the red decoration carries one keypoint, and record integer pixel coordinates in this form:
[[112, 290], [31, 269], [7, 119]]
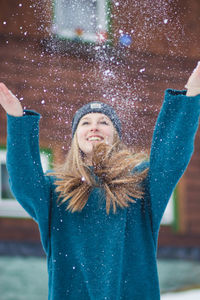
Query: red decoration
[[102, 36], [79, 31]]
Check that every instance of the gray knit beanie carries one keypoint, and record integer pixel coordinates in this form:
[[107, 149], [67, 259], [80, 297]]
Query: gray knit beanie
[[96, 107]]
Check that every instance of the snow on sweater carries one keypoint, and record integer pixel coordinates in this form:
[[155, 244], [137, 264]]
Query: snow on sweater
[[92, 255]]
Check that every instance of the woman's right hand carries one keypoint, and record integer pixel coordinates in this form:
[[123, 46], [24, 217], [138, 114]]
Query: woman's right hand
[[9, 102]]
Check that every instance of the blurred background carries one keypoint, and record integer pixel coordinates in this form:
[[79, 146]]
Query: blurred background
[[56, 55]]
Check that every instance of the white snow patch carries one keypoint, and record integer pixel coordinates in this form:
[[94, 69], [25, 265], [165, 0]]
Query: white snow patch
[[142, 70], [187, 295]]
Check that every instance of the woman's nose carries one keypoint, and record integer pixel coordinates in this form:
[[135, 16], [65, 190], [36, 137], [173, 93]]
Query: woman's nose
[[94, 127]]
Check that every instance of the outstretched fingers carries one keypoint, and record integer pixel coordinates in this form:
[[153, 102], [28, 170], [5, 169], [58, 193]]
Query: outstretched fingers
[[9, 102]]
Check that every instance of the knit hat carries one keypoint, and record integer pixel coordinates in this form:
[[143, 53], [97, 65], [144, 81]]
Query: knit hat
[[96, 107]]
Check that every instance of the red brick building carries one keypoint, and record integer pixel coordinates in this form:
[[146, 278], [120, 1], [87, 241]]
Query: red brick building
[[56, 57]]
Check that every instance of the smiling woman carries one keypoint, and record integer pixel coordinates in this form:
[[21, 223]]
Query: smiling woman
[[99, 213], [96, 146], [92, 129]]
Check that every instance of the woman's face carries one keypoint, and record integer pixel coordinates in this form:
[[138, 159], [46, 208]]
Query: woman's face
[[92, 129]]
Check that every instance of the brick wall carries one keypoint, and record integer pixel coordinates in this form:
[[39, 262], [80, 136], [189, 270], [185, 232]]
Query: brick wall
[[57, 84]]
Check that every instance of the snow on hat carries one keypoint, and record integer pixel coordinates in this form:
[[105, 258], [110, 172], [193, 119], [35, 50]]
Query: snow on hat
[[96, 107]]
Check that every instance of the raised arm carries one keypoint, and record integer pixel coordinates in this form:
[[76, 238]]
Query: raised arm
[[172, 144], [28, 183]]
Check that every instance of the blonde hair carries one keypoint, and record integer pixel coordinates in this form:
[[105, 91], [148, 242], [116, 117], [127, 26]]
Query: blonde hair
[[75, 179]]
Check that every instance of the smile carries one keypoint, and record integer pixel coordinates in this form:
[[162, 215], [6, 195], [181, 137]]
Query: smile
[[95, 138]]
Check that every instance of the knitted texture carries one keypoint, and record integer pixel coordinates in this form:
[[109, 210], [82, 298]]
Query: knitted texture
[[92, 255]]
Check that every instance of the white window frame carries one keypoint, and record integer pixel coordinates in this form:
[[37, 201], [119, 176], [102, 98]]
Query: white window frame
[[100, 36], [10, 207], [169, 216]]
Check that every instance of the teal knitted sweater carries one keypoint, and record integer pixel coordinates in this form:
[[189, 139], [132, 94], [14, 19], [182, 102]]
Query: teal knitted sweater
[[92, 255]]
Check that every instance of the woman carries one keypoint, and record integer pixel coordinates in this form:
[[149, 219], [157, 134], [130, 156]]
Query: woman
[[99, 214]]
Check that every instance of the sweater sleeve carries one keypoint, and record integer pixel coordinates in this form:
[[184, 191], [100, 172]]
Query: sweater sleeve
[[28, 183], [171, 149]]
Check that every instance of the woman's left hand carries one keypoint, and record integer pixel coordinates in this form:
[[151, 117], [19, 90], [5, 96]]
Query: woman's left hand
[[193, 84]]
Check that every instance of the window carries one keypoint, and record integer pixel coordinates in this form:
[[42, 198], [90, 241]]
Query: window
[[169, 215], [82, 20], [9, 207]]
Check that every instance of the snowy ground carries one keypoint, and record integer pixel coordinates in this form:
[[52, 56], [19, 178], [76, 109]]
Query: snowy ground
[[18, 283], [187, 295]]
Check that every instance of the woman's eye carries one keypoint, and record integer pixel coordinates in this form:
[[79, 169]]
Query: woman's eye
[[104, 122], [85, 123]]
